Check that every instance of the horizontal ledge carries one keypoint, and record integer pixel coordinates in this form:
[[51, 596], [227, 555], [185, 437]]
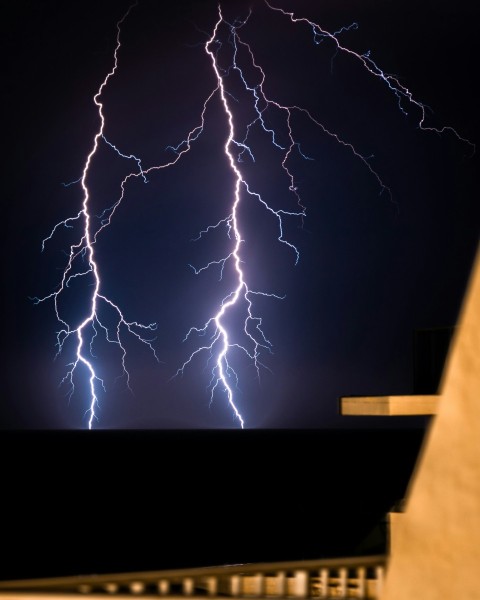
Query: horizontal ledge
[[389, 406], [176, 576]]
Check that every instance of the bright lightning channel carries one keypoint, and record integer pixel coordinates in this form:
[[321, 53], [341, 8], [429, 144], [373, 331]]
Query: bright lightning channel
[[236, 150], [82, 264]]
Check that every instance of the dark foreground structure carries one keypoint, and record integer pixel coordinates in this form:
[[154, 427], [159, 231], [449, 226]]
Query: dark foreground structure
[[103, 500]]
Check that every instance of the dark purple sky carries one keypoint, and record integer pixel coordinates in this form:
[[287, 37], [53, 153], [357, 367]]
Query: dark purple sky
[[371, 271]]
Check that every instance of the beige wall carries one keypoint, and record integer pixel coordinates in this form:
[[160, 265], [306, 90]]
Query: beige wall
[[436, 554]]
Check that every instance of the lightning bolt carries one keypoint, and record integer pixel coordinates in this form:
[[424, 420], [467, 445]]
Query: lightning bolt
[[404, 96], [82, 265], [239, 85], [237, 151]]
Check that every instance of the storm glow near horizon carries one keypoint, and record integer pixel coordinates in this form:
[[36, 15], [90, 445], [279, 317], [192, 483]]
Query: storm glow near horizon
[[261, 145]]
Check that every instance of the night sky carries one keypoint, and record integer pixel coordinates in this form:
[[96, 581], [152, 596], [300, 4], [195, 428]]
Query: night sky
[[373, 268]]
